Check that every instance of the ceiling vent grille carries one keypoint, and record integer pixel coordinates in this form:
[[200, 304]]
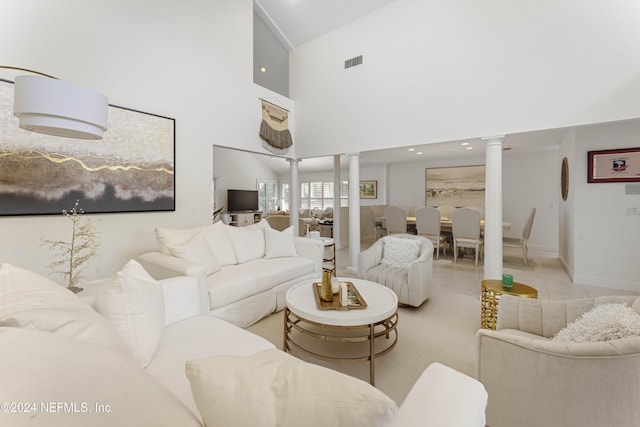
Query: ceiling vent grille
[[352, 62]]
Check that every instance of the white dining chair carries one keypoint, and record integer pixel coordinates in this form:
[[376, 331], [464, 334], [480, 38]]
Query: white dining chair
[[446, 210], [465, 226], [428, 225], [396, 220], [521, 241], [477, 208]]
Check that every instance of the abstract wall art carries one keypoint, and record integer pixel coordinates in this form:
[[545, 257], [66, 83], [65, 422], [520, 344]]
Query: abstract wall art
[[130, 170], [457, 186]]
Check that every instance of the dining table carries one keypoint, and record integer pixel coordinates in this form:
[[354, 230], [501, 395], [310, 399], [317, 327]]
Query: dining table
[[445, 223]]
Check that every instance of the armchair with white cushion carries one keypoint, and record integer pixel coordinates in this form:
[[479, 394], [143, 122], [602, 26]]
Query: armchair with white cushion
[[536, 376], [401, 262]]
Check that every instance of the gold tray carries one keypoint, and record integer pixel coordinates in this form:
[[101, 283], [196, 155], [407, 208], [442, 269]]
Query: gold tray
[[355, 299]]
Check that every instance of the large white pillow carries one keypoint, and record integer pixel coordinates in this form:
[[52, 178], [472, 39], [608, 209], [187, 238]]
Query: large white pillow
[[279, 243], [248, 243], [134, 304], [603, 322], [217, 236], [197, 251], [35, 302], [399, 252], [273, 388], [100, 387], [173, 236]]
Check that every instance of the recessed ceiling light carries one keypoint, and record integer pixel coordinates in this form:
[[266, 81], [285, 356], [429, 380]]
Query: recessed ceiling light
[[263, 69], [468, 148], [419, 152], [464, 144], [412, 149]]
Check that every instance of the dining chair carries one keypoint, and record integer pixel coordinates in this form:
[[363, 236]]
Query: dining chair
[[395, 220], [428, 225], [477, 208], [446, 210], [465, 225], [521, 242]]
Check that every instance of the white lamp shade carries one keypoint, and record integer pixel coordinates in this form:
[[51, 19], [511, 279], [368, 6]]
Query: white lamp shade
[[56, 107]]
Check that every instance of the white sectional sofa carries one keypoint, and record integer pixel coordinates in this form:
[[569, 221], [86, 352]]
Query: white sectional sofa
[[132, 351], [244, 271]]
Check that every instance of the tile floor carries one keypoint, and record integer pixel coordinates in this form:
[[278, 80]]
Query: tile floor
[[545, 273]]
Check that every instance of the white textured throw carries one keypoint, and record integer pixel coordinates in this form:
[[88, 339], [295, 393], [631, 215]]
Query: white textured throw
[[603, 322]]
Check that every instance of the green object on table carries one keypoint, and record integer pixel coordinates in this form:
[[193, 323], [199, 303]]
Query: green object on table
[[507, 280]]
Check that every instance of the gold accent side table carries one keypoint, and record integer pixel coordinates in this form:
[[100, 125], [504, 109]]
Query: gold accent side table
[[491, 291]]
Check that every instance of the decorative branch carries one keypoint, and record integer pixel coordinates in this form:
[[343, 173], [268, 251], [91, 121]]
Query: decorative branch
[[70, 258]]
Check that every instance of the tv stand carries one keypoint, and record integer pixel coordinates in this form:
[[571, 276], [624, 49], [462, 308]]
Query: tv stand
[[244, 218]]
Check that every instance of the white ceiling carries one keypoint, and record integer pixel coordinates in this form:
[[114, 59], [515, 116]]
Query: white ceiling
[[296, 22]]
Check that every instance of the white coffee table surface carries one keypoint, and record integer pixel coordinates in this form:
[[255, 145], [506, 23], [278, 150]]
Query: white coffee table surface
[[382, 303]]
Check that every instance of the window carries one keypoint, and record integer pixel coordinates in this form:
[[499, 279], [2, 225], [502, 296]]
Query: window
[[267, 196], [319, 194], [284, 196]]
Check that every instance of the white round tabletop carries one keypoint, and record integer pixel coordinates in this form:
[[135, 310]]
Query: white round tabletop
[[382, 303]]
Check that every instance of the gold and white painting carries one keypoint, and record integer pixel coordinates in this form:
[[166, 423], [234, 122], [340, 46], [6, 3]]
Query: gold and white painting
[[130, 170]]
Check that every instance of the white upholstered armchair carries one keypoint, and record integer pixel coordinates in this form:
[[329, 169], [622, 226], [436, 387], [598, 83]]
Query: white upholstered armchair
[[534, 381], [403, 263]]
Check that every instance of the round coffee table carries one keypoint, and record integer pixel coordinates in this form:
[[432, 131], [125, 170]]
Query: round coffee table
[[307, 328]]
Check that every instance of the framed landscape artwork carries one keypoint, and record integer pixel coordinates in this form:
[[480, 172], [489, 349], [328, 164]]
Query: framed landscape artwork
[[368, 189], [457, 186], [130, 170], [622, 165]]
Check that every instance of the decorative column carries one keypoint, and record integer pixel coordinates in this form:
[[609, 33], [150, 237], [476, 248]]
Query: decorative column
[[493, 208], [337, 239], [354, 212], [294, 195]]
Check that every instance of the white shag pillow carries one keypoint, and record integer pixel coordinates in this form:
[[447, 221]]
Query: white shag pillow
[[134, 304], [603, 322], [197, 251], [399, 252], [273, 388], [279, 243]]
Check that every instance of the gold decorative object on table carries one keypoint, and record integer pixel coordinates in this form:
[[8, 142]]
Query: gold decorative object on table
[[491, 291], [353, 296], [326, 292]]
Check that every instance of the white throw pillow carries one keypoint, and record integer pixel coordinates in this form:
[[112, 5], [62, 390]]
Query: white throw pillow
[[248, 243], [603, 322], [197, 251], [35, 302], [399, 252], [273, 388], [219, 241], [279, 243], [134, 304], [173, 236], [99, 387]]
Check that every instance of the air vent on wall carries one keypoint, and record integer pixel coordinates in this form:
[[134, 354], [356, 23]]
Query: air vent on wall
[[352, 62]]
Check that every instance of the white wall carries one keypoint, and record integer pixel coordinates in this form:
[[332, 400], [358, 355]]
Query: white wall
[[189, 60], [438, 71], [606, 238]]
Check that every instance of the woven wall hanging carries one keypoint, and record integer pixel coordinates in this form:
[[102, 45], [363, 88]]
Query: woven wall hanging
[[274, 129]]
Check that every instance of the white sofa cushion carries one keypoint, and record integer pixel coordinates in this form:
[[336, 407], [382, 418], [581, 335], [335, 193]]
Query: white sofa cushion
[[134, 304], [274, 388], [399, 252], [196, 250], [195, 338], [235, 282], [279, 243], [248, 243], [284, 269], [215, 234], [46, 368], [35, 302]]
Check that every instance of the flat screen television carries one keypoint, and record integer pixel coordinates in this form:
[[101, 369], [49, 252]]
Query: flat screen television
[[242, 200]]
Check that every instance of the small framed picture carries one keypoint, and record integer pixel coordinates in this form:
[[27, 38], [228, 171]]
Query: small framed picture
[[622, 165], [368, 189]]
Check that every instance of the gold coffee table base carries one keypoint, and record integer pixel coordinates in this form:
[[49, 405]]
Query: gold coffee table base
[[296, 327], [491, 291]]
